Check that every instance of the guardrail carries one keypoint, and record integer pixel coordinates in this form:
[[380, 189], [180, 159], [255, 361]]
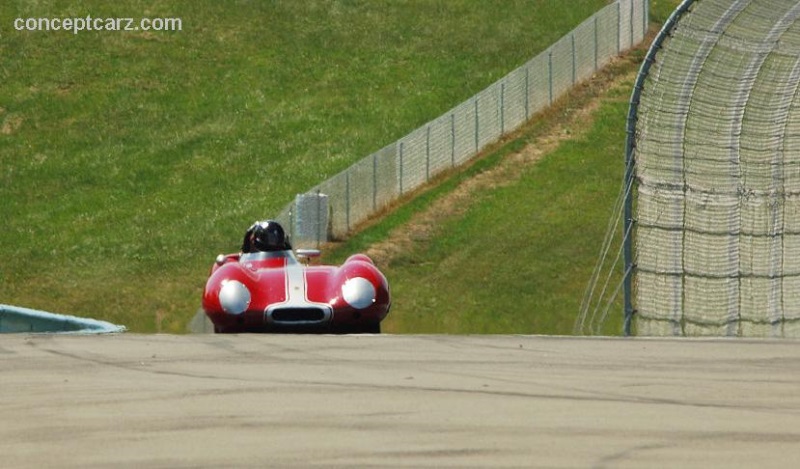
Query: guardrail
[[17, 319]]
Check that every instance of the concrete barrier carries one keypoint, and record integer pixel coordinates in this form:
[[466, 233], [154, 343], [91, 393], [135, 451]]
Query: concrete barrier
[[17, 319]]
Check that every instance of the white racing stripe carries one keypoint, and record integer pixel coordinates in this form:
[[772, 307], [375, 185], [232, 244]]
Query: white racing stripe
[[296, 285], [297, 293]]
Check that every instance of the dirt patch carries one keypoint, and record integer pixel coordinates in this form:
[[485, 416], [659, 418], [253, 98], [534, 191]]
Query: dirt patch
[[571, 118], [11, 124]]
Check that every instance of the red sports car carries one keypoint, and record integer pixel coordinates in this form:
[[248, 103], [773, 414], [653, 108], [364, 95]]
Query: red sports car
[[273, 291]]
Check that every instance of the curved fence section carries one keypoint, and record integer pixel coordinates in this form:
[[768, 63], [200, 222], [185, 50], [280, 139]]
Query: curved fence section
[[717, 245], [331, 209]]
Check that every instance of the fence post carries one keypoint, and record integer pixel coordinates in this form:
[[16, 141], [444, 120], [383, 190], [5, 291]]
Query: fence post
[[401, 167], [477, 125], [574, 58], [347, 198], [630, 44], [619, 28], [375, 182], [291, 218], [452, 140], [527, 92], [502, 109], [550, 76], [319, 220], [596, 49], [428, 153]]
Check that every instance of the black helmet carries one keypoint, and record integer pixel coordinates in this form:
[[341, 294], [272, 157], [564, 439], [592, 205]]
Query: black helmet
[[267, 235]]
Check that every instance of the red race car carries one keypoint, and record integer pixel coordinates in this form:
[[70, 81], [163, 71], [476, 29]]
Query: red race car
[[266, 288]]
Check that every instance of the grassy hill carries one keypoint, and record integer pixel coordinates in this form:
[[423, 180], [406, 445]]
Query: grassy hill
[[128, 160]]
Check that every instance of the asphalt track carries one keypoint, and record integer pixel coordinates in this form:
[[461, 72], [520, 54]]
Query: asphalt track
[[396, 401]]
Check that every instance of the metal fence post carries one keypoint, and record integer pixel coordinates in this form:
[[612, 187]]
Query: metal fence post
[[477, 124], [428, 153], [375, 182], [502, 109], [527, 93], [630, 44], [291, 218], [347, 199], [452, 139], [401, 168], [319, 219], [574, 59], [596, 49], [550, 76], [619, 28]]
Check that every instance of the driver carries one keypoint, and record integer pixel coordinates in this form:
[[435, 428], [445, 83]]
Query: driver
[[265, 236]]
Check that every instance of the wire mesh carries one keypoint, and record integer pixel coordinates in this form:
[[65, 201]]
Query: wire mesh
[[336, 190], [440, 145], [361, 186], [463, 121], [561, 63], [387, 188], [515, 105], [607, 34], [717, 207], [310, 218], [487, 103], [584, 41], [539, 83]]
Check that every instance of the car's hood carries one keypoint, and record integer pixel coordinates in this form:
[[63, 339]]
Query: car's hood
[[283, 282]]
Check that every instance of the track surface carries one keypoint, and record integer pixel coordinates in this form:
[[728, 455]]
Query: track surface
[[414, 401]]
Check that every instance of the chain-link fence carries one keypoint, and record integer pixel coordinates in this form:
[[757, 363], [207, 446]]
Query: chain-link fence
[[331, 209], [718, 200]]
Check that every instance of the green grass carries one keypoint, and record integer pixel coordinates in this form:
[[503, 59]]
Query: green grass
[[128, 160], [661, 9]]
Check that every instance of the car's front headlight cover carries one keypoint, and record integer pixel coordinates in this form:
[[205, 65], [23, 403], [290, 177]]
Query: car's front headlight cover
[[358, 292], [234, 297]]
